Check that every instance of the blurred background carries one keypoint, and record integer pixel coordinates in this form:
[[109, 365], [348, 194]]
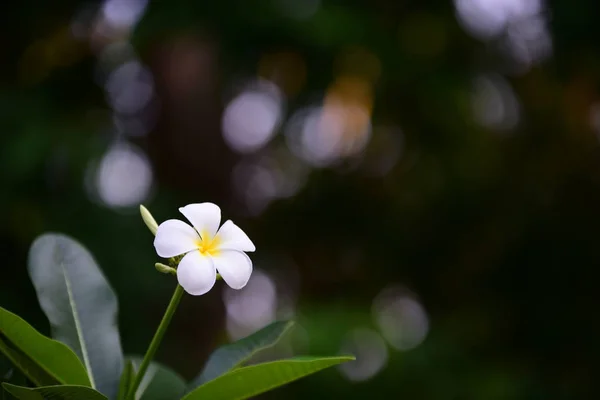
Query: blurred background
[[421, 179]]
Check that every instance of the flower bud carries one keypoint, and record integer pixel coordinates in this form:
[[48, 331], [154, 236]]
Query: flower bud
[[165, 269], [148, 219]]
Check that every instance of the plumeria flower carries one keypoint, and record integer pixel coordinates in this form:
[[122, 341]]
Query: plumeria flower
[[208, 249]]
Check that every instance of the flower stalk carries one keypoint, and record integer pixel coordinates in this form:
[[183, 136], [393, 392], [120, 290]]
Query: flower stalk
[[158, 336]]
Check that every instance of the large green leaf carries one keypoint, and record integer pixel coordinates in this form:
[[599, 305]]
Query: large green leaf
[[5, 365], [9, 374], [26, 365], [80, 305], [232, 355], [20, 341], [7, 368], [61, 392], [159, 383], [246, 382]]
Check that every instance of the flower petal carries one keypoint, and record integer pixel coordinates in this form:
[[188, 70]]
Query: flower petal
[[174, 237], [205, 217], [234, 266], [231, 237], [196, 273]]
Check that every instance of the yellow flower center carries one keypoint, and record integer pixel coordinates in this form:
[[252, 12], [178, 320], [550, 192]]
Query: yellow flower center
[[209, 246]]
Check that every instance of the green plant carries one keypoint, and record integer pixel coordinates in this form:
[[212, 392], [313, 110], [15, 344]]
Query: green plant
[[84, 359]]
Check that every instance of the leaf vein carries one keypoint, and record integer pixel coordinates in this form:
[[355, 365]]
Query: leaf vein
[[84, 352]]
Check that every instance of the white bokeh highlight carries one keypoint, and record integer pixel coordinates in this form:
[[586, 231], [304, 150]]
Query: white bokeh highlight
[[488, 18], [123, 177], [519, 25], [130, 87], [258, 182], [401, 319], [252, 118], [494, 103], [123, 14], [370, 351], [251, 308], [321, 135]]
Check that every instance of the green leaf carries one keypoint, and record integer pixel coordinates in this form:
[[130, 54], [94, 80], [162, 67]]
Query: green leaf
[[6, 366], [26, 365], [80, 305], [9, 374], [61, 392], [126, 380], [159, 383], [246, 382], [52, 357], [232, 355]]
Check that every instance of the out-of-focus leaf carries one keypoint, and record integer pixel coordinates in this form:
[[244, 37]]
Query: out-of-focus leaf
[[230, 356], [61, 392], [20, 341], [80, 305], [126, 380], [159, 383], [246, 382]]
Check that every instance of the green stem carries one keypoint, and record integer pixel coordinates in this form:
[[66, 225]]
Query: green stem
[[158, 336]]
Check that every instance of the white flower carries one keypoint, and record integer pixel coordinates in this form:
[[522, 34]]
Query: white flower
[[207, 249]]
